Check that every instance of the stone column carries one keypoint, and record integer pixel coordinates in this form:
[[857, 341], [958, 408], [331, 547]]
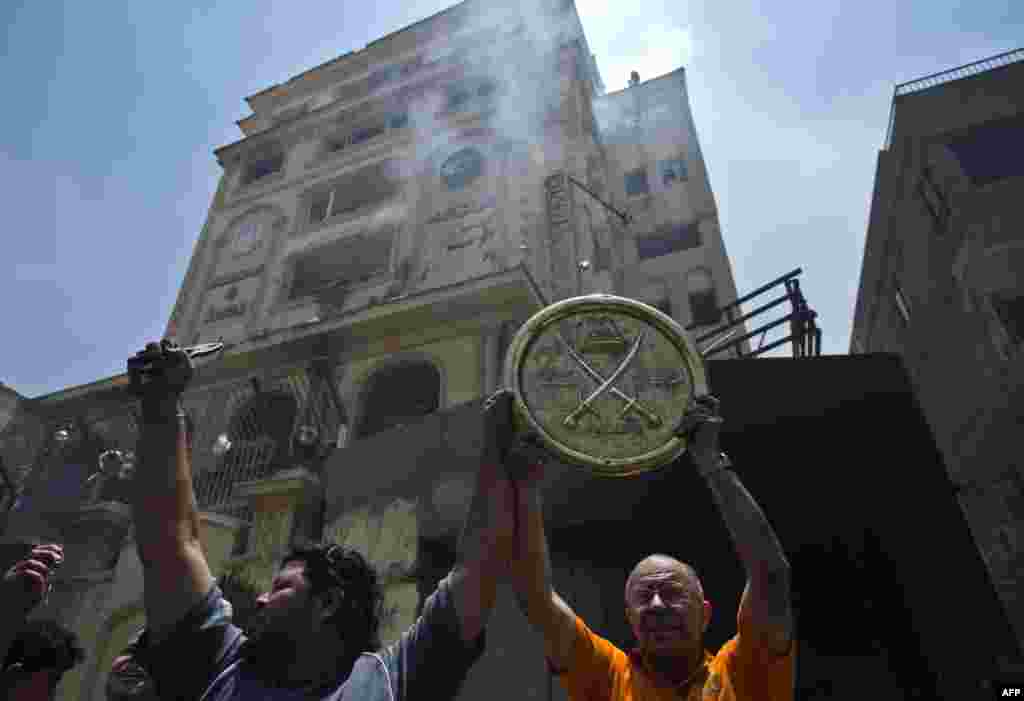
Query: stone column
[[280, 506], [490, 359], [93, 537]]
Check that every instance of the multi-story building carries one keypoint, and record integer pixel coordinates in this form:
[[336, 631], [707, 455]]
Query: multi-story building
[[942, 285], [673, 253], [385, 224]]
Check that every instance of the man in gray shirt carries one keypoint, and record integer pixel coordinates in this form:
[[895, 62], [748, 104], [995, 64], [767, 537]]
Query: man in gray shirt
[[316, 633]]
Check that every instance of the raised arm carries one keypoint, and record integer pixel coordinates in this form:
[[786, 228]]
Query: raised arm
[[532, 580], [485, 544], [765, 608], [176, 575], [23, 587]]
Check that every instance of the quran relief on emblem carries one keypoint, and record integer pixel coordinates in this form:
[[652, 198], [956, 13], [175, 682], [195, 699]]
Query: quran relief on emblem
[[606, 384]]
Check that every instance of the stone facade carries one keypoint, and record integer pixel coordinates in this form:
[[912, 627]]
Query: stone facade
[[942, 286]]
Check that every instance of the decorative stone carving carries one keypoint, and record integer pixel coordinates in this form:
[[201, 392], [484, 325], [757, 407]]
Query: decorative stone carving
[[232, 300], [231, 310], [561, 233]]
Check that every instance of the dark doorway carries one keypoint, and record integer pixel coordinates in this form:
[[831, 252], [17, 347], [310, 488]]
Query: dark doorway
[[398, 395]]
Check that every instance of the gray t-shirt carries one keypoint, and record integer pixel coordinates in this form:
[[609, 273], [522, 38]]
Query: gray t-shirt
[[200, 660]]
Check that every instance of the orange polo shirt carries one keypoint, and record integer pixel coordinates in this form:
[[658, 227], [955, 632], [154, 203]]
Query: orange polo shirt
[[739, 672]]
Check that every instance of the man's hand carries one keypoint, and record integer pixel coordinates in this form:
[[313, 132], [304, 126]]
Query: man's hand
[[522, 454], [700, 426], [159, 375], [498, 462], [27, 582], [164, 509], [487, 544]]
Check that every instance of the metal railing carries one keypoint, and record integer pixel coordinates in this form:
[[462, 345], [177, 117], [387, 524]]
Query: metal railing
[[948, 76], [259, 423], [804, 332]]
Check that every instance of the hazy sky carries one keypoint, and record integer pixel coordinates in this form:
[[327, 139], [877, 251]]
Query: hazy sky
[[112, 111]]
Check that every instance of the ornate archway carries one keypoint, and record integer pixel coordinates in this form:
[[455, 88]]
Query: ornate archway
[[398, 394]]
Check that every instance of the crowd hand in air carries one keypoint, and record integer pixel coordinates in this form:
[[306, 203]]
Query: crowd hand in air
[[26, 584], [521, 452], [701, 426], [159, 375]]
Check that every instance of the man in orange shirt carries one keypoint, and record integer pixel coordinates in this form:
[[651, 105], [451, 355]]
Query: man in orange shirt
[[666, 606]]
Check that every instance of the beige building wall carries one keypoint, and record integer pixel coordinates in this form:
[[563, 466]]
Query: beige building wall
[[674, 245]]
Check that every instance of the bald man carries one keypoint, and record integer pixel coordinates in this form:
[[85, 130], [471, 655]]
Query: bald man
[[666, 606]]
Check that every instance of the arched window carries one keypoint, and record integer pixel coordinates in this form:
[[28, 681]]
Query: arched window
[[255, 443], [399, 394], [700, 287], [265, 415]]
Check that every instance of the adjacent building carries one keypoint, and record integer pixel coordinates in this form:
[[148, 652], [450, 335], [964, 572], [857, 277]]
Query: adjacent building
[[942, 285], [673, 251]]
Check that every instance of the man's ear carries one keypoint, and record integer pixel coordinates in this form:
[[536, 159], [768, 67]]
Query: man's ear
[[330, 602]]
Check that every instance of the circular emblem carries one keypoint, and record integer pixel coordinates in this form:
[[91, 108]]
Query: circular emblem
[[603, 381], [461, 168]]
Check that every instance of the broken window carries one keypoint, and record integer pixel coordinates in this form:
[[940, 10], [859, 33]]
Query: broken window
[[356, 191], [366, 132], [262, 166], [703, 299], [349, 261], [668, 240]]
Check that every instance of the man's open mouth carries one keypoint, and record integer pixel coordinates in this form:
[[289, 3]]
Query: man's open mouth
[[662, 630]]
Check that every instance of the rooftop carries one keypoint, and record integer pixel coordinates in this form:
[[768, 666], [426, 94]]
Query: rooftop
[[967, 70]]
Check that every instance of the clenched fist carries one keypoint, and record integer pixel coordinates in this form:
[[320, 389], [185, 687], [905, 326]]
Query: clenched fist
[[28, 581], [159, 375], [701, 425]]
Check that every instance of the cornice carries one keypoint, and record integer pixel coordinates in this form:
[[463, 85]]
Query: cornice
[[297, 130]]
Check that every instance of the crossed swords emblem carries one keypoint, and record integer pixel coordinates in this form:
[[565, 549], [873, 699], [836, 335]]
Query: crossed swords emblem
[[604, 384]]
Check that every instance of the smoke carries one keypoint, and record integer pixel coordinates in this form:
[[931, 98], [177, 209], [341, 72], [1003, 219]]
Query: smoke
[[512, 47], [392, 214]]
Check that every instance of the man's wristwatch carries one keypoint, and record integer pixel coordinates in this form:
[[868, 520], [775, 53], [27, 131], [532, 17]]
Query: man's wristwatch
[[721, 462]]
